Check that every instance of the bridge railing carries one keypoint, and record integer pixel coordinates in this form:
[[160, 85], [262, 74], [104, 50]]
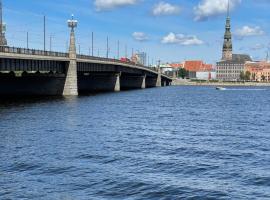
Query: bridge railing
[[113, 60], [15, 50]]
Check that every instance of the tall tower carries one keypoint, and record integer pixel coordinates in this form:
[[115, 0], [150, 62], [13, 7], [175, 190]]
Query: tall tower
[[3, 41], [71, 84], [227, 46]]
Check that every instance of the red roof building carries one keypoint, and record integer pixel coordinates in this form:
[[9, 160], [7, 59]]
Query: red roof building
[[197, 66], [176, 65]]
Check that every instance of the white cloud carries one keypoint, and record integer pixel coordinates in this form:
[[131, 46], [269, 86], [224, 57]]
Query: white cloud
[[257, 47], [163, 8], [246, 31], [181, 39], [110, 4], [209, 8], [140, 36]]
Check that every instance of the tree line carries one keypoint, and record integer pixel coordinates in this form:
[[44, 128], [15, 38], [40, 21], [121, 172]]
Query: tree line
[[247, 76]]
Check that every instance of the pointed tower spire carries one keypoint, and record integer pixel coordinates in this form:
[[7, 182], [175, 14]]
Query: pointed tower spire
[[228, 9], [3, 41], [227, 46]]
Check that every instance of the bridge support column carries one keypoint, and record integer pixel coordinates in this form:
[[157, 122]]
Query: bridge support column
[[71, 84], [117, 86], [158, 83], [144, 82]]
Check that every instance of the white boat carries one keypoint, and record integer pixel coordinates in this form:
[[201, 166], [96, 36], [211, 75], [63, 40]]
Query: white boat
[[220, 88]]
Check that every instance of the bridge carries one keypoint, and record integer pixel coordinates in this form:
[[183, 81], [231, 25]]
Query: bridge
[[36, 72]]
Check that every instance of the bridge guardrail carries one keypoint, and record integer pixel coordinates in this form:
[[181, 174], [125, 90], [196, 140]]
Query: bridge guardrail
[[113, 60], [25, 51], [5, 49]]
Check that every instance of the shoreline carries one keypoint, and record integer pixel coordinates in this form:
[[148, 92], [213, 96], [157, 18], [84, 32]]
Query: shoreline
[[180, 82]]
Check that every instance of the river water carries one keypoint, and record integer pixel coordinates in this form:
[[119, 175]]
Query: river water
[[162, 143]]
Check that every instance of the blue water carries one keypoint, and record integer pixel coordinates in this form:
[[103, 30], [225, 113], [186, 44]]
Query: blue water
[[163, 143]]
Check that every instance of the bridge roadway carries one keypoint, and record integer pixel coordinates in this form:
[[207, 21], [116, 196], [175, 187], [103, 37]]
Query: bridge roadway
[[35, 72]]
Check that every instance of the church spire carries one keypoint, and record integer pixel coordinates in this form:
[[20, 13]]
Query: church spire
[[227, 46], [3, 41], [228, 9]]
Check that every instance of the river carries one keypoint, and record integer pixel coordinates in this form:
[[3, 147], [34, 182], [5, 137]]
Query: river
[[169, 143]]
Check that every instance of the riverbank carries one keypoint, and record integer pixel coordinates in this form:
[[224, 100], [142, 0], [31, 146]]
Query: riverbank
[[177, 82]]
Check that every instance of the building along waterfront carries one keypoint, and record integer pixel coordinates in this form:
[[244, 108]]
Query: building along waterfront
[[258, 71], [231, 65]]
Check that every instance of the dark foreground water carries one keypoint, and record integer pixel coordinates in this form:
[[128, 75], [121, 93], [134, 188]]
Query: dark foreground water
[[168, 143]]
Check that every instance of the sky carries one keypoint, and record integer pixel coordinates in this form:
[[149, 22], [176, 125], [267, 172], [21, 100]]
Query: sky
[[167, 30]]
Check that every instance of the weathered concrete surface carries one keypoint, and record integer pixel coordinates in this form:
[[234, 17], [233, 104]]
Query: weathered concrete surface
[[71, 84], [117, 87], [144, 82], [159, 83]]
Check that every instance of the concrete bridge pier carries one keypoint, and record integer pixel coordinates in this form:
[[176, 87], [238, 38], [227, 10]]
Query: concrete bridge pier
[[71, 83], [133, 82], [159, 81], [117, 87], [144, 82]]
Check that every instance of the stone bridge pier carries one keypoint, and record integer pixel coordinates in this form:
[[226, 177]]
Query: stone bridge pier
[[71, 83]]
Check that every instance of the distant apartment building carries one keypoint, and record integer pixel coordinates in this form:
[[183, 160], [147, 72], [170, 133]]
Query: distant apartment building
[[170, 69], [259, 71], [199, 70], [139, 58], [231, 65], [166, 67]]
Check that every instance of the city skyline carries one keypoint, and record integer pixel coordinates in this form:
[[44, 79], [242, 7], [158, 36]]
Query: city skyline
[[167, 30]]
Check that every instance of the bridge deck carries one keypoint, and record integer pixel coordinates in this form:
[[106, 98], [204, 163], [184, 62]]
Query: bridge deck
[[31, 54]]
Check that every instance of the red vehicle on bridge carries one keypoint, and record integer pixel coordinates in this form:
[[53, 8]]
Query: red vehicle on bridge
[[127, 60]]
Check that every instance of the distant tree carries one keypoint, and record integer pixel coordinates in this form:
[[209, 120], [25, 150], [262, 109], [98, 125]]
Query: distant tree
[[263, 77], [253, 76], [247, 75], [182, 73], [242, 76]]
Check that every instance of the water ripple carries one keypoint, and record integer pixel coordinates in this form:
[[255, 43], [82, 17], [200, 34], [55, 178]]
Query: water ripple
[[165, 143]]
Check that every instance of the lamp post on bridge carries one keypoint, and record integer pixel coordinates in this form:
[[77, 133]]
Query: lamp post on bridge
[[72, 24], [71, 84]]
